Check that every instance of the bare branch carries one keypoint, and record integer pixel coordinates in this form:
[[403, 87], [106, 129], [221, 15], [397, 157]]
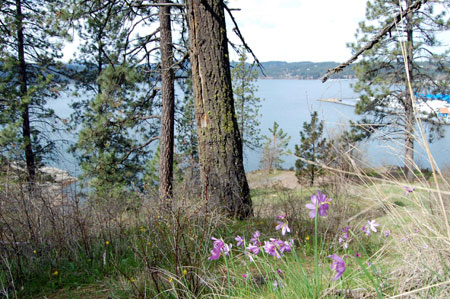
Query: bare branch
[[376, 39], [138, 148], [238, 33]]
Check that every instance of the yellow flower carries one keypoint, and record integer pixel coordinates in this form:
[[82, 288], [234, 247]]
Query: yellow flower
[[34, 251], [142, 229], [55, 273], [170, 279], [107, 243], [184, 272], [148, 243], [307, 238], [132, 279], [159, 216]]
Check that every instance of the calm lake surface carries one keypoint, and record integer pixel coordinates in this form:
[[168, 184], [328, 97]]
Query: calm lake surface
[[290, 103]]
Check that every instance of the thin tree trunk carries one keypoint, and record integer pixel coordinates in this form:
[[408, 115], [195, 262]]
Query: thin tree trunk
[[167, 116], [26, 129], [409, 112], [220, 143]]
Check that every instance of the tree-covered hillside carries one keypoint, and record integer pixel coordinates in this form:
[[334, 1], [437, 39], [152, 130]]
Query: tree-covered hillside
[[301, 70]]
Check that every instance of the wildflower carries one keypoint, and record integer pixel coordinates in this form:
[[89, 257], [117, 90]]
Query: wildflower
[[277, 284], [279, 271], [319, 202], [184, 272], [55, 273], [226, 249], [255, 238], [345, 244], [170, 279], [132, 279], [239, 241], [346, 233], [283, 226], [217, 243], [271, 249], [215, 254], [408, 189], [106, 243], [253, 249], [218, 247], [372, 225], [369, 264], [307, 238], [286, 247], [357, 254], [142, 229], [149, 243], [416, 230], [365, 230], [338, 265], [245, 276], [34, 251], [387, 233], [282, 216]]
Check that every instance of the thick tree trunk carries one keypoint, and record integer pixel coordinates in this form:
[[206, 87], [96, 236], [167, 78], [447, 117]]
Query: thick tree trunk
[[220, 144], [167, 116], [26, 128], [409, 112]]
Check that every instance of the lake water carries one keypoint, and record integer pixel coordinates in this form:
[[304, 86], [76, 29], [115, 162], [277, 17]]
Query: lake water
[[290, 103]]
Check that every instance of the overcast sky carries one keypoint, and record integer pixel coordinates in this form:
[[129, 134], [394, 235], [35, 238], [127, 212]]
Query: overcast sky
[[298, 30]]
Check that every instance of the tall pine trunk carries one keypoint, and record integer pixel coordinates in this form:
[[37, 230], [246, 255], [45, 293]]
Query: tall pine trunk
[[26, 128], [409, 112], [220, 145], [167, 116]]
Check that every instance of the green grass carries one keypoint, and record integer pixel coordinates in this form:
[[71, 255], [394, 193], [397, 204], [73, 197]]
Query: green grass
[[170, 245]]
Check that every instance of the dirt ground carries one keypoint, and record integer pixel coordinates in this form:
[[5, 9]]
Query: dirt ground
[[261, 179]]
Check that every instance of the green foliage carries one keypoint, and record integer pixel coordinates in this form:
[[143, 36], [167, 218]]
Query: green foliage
[[115, 116], [25, 89], [275, 147], [246, 104], [381, 72], [312, 148]]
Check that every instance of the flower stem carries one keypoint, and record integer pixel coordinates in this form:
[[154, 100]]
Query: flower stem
[[316, 255]]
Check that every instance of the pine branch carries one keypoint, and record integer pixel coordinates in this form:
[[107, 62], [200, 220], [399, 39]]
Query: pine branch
[[376, 39]]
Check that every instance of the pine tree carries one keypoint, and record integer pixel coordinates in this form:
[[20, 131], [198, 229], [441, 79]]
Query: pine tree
[[168, 104], [247, 105], [116, 118], [312, 148], [30, 44], [385, 69], [220, 145], [275, 147]]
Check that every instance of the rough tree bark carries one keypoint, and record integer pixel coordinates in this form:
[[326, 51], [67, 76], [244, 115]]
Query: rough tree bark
[[220, 145], [409, 112], [167, 115], [26, 129]]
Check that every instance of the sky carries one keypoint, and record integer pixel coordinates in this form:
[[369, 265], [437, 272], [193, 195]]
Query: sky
[[297, 30]]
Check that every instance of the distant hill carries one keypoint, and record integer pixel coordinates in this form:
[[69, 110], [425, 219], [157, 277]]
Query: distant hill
[[302, 70]]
